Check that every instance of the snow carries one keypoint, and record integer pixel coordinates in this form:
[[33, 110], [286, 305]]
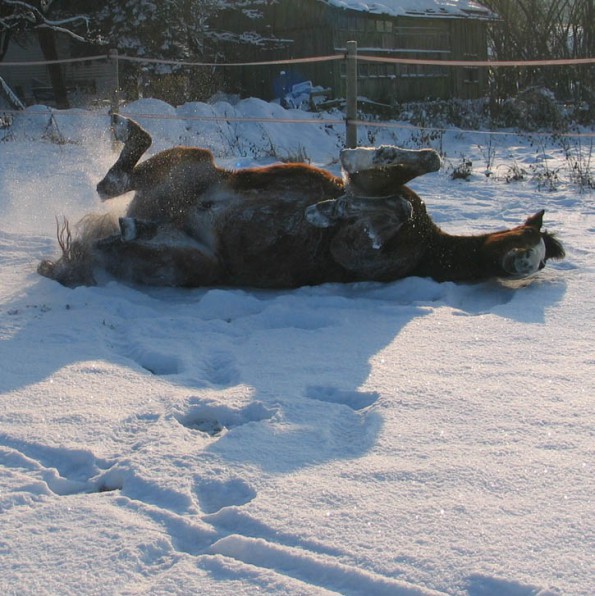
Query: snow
[[402, 438], [417, 8]]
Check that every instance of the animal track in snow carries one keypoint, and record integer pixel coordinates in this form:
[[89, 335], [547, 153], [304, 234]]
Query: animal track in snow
[[140, 350], [311, 568], [215, 419], [215, 494], [159, 364], [209, 426], [219, 369], [356, 400], [485, 585], [57, 471], [216, 368]]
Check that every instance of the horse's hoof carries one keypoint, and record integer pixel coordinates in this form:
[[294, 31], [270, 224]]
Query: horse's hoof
[[125, 129], [362, 159], [115, 183], [137, 229], [121, 128], [127, 228], [326, 213], [317, 218]]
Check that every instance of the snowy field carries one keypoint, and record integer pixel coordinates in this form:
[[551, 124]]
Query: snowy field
[[406, 438]]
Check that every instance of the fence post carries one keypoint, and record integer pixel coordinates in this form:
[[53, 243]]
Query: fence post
[[115, 98], [351, 92]]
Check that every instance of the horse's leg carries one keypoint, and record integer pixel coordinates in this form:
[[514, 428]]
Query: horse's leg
[[132, 228], [119, 179], [380, 219], [373, 179], [378, 172], [156, 265], [358, 250], [168, 258]]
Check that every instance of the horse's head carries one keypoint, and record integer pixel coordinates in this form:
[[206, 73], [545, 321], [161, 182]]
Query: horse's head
[[523, 250]]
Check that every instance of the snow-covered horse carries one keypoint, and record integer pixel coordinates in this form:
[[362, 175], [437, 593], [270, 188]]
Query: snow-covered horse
[[192, 224]]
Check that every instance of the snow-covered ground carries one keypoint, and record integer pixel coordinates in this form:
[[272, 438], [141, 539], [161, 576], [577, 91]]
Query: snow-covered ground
[[407, 438]]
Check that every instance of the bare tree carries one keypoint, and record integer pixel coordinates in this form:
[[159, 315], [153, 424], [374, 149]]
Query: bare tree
[[543, 29], [178, 30]]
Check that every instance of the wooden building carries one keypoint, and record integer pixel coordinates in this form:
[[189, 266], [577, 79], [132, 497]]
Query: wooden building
[[270, 30], [430, 29]]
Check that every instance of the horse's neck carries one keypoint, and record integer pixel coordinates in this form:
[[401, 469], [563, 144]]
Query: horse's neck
[[454, 258]]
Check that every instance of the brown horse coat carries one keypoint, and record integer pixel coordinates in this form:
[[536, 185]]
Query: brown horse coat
[[192, 224]]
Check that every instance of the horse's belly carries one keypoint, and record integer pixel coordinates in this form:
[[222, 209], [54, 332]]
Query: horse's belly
[[273, 245]]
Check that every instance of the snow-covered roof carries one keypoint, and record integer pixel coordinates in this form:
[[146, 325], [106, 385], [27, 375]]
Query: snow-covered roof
[[419, 8]]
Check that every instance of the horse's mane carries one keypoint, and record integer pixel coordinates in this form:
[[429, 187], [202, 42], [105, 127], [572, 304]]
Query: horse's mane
[[553, 247]]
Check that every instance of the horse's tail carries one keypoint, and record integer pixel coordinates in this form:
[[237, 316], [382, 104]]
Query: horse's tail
[[75, 266]]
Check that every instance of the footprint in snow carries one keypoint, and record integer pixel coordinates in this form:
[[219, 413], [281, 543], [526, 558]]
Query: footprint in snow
[[215, 494], [158, 364], [219, 369], [57, 471], [215, 419]]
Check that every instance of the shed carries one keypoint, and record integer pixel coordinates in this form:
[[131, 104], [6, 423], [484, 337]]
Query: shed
[[429, 29]]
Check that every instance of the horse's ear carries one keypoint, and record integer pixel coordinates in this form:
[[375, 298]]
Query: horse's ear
[[536, 221]]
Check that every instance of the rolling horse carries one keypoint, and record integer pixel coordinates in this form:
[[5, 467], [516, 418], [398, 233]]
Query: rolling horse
[[192, 223]]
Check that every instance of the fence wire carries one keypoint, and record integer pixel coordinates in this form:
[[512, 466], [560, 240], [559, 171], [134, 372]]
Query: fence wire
[[313, 59], [308, 121], [115, 56]]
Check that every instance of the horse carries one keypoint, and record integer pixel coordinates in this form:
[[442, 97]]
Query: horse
[[192, 223]]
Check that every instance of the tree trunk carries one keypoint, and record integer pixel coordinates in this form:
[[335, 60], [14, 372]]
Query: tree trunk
[[47, 42], [4, 39]]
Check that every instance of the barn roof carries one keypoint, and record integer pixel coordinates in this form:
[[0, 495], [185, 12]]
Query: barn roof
[[419, 8]]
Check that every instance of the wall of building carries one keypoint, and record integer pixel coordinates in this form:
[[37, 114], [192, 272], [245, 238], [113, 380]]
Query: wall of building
[[303, 28], [313, 28], [32, 83]]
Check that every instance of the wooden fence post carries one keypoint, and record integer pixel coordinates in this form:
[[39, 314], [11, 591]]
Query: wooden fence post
[[115, 98], [351, 92]]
